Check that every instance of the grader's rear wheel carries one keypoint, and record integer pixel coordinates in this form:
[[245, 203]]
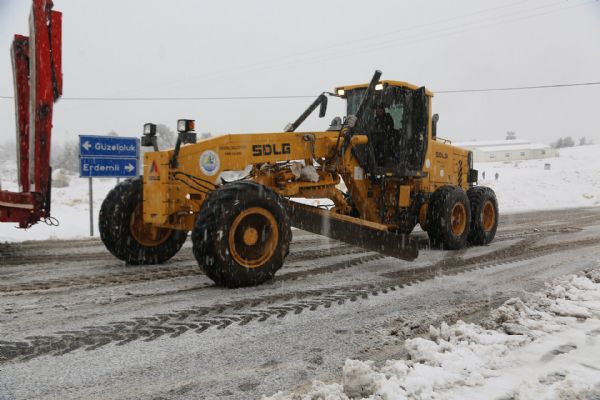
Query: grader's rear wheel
[[484, 212], [242, 235], [125, 234], [449, 218], [458, 219]]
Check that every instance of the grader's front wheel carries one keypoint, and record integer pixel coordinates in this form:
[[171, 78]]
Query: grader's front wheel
[[125, 234], [242, 235]]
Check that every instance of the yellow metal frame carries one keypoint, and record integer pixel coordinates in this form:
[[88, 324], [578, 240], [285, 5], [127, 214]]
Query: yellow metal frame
[[384, 82], [172, 200]]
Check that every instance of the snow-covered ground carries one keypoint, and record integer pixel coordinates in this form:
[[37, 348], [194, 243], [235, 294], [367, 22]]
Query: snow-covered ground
[[573, 180], [70, 206], [546, 346]]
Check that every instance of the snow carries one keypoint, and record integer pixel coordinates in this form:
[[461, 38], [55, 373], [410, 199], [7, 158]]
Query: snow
[[499, 145], [70, 206], [572, 181], [515, 147], [544, 347], [486, 143]]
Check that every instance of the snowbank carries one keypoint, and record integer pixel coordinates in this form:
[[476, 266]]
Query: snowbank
[[573, 180], [546, 347]]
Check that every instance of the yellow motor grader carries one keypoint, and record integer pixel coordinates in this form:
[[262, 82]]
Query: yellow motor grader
[[385, 151]]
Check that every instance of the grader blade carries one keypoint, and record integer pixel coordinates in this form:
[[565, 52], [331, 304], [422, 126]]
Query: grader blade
[[355, 231]]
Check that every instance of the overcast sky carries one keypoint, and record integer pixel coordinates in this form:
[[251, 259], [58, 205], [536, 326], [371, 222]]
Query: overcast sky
[[151, 48]]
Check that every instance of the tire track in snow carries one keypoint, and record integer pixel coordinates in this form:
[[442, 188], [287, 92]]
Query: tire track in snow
[[171, 272], [260, 308]]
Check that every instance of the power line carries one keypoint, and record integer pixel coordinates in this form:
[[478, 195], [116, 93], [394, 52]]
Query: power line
[[412, 40], [175, 98], [444, 32], [378, 46], [414, 37], [327, 50], [501, 89], [560, 85]]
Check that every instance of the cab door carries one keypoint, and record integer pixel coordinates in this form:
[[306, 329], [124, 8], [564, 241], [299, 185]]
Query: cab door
[[415, 133]]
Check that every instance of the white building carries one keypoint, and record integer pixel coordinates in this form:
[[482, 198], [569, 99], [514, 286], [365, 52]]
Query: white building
[[508, 150]]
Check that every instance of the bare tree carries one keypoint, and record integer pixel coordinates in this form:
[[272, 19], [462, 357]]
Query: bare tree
[[66, 156], [567, 141], [166, 137]]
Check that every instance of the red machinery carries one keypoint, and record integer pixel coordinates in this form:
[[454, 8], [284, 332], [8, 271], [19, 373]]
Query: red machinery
[[37, 73]]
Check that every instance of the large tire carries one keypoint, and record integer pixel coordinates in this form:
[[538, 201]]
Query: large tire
[[242, 234], [126, 236], [484, 215], [448, 218]]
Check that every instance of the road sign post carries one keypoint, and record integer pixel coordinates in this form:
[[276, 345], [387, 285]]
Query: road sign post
[[107, 157], [91, 209]]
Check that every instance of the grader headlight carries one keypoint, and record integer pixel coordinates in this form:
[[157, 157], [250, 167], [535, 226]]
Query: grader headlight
[[186, 125], [341, 92], [150, 129], [149, 137]]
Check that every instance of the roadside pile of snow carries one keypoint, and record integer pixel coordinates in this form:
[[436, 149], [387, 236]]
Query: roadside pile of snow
[[546, 347], [573, 180]]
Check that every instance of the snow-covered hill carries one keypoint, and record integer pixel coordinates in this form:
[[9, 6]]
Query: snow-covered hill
[[573, 180]]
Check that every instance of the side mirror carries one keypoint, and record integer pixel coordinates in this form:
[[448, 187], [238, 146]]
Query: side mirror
[[434, 120], [323, 108]]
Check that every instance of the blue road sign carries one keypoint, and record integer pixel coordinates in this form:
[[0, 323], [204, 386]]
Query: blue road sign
[[92, 167], [108, 146], [108, 156]]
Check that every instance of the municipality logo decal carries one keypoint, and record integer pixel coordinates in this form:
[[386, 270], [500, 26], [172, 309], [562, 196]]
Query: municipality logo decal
[[209, 162]]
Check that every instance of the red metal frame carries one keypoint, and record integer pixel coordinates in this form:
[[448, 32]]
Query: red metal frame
[[38, 84], [20, 60]]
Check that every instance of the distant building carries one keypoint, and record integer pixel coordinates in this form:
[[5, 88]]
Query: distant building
[[508, 150]]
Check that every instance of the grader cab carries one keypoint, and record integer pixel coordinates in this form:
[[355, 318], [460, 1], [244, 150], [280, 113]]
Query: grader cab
[[382, 166]]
